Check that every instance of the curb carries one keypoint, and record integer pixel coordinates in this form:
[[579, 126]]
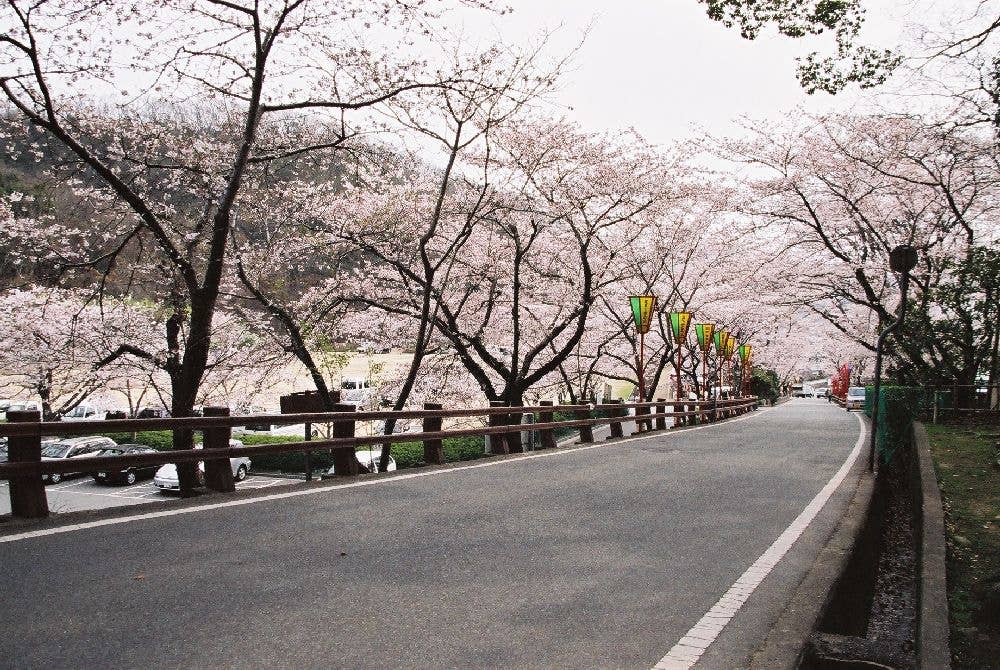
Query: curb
[[782, 648], [932, 614], [784, 643]]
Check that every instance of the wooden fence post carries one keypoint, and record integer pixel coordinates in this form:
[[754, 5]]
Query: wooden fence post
[[433, 449], [616, 426], [345, 463], [218, 471], [514, 443], [27, 491], [498, 442], [547, 435], [586, 432], [661, 407]]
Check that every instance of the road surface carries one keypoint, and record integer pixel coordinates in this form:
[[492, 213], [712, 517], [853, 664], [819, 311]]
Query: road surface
[[599, 557]]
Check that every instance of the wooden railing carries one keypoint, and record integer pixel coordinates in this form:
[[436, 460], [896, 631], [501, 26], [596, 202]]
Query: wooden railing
[[24, 431]]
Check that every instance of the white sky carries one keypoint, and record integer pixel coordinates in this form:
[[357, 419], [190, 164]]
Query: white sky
[[663, 67]]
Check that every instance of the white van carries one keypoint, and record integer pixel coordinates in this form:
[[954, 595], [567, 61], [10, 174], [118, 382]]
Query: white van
[[84, 412], [355, 390]]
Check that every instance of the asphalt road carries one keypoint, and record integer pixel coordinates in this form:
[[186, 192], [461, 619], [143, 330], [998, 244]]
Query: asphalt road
[[585, 558]]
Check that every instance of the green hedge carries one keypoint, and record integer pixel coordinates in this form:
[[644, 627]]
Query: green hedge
[[898, 407]]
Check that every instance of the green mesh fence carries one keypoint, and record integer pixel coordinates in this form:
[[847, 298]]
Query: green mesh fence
[[899, 406]]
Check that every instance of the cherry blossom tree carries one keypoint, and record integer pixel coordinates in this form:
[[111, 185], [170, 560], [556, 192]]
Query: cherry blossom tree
[[202, 94], [843, 191], [53, 340]]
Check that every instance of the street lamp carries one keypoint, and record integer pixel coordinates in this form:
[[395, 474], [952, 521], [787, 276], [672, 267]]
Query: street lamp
[[721, 336], [704, 332], [902, 259], [745, 350], [679, 322], [730, 345], [642, 314]]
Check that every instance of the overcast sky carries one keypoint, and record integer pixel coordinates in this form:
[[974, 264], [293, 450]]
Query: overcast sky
[[662, 67]]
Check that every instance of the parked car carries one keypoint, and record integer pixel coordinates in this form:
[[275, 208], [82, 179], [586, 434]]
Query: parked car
[[152, 413], [293, 430], [264, 428], [128, 475], [368, 460], [75, 447], [855, 398], [22, 406], [166, 479], [84, 412]]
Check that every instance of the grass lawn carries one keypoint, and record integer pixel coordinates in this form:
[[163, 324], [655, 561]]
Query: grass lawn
[[966, 458]]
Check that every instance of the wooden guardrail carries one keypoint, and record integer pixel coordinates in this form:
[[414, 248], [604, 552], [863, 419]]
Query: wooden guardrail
[[24, 431]]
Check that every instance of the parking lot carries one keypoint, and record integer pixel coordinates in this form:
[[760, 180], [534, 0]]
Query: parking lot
[[84, 493]]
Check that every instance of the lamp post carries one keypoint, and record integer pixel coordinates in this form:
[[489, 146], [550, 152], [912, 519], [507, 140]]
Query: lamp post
[[902, 259], [704, 332], [642, 314], [720, 350], [745, 351], [679, 322], [730, 347]]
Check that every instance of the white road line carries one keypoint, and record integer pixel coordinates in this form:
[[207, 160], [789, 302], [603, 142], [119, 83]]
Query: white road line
[[137, 486], [99, 495], [696, 641], [16, 537], [65, 486]]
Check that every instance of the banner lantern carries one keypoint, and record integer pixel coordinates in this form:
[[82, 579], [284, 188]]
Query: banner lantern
[[679, 322], [642, 311], [704, 332]]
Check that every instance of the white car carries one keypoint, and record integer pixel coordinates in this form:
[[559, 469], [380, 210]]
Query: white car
[[166, 479], [368, 459], [855, 398]]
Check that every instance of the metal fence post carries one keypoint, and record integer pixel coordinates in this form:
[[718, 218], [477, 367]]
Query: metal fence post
[[586, 432], [218, 471], [345, 463], [433, 449], [27, 491], [547, 435]]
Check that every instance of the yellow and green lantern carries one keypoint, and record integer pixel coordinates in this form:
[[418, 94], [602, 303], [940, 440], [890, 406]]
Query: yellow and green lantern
[[679, 322], [720, 341], [704, 333], [642, 311], [745, 351], [730, 346]]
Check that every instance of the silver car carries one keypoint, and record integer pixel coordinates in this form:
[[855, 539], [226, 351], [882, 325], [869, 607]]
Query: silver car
[[166, 479], [73, 447]]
